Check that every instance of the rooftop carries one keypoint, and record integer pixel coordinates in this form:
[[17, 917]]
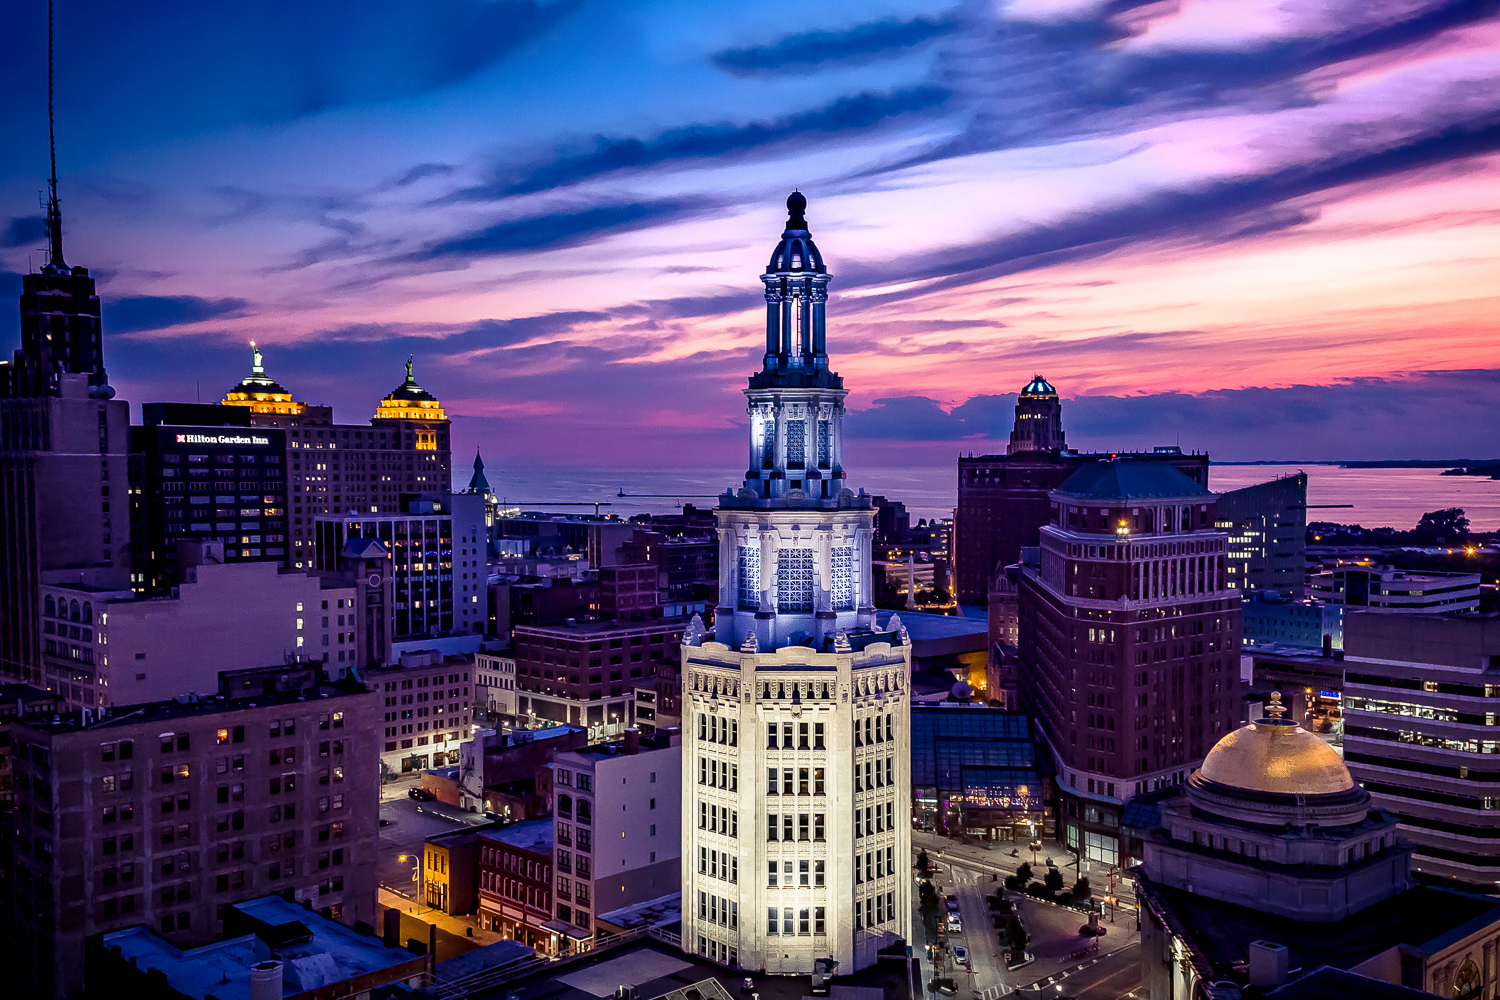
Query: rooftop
[[1128, 479], [652, 913], [1219, 933], [162, 711], [608, 627], [316, 952], [533, 835]]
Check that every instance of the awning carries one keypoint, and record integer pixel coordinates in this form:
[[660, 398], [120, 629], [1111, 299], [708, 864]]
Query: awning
[[567, 930]]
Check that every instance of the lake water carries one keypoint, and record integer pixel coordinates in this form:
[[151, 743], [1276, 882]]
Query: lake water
[[1381, 497]]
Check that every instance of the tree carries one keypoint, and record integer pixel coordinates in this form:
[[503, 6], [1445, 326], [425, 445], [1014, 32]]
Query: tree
[[924, 867], [1024, 872], [1082, 889], [1054, 880], [928, 897], [1449, 523]]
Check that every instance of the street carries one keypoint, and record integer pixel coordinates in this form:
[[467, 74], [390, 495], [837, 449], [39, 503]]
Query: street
[[1065, 964]]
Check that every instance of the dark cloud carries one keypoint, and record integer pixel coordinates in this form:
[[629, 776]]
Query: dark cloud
[[156, 312], [857, 113], [1353, 419], [564, 228], [422, 171], [24, 230], [814, 49]]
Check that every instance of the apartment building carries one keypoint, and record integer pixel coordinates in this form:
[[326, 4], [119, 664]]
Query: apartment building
[[617, 828], [164, 813]]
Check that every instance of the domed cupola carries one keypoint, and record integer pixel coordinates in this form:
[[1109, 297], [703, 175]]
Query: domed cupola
[[260, 392], [796, 251], [1039, 386], [409, 401]]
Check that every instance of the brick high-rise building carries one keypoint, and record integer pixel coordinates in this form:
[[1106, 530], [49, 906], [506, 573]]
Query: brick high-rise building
[[1129, 640], [1003, 499], [163, 813]]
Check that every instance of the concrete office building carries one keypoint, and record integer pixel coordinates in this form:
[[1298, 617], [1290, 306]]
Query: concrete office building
[[437, 566], [617, 829], [1269, 617], [201, 473], [1386, 588], [795, 710], [164, 813], [1129, 641], [427, 701], [109, 647], [1421, 697], [1267, 526], [515, 882], [584, 674], [1003, 499], [17, 701], [374, 468]]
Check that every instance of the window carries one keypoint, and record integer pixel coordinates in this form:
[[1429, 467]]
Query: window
[[772, 924]]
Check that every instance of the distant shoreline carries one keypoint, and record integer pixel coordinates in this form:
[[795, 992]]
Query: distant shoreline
[[1392, 463]]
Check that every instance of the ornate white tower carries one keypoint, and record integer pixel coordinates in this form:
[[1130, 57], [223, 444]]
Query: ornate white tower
[[796, 746]]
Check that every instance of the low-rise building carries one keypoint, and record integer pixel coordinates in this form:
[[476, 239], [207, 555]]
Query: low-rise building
[[1386, 588], [271, 947], [163, 813], [974, 773], [584, 674], [1268, 617], [106, 647], [450, 870], [508, 773], [515, 882], [17, 701], [618, 819], [1311, 684], [426, 702]]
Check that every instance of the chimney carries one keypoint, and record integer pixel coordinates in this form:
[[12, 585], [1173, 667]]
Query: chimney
[[1327, 645], [632, 742], [1268, 964], [391, 931], [266, 981]]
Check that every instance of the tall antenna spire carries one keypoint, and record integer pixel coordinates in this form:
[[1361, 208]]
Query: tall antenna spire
[[54, 213]]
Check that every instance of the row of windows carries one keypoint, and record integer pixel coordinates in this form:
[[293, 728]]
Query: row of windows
[[784, 730], [805, 868], [719, 774], [874, 820], [725, 912], [799, 821], [710, 864], [713, 729], [788, 926], [802, 786], [722, 819]]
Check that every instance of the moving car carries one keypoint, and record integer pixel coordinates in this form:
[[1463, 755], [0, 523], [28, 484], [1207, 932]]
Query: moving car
[[419, 795], [947, 987]]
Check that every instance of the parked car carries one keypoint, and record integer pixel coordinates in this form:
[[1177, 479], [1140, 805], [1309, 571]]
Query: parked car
[[955, 925], [947, 987], [419, 795], [952, 904], [960, 954]]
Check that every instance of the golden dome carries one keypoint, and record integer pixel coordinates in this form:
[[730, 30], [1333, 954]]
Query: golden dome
[[1278, 756]]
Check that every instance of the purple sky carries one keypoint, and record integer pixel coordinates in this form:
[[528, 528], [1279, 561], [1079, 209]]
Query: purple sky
[[1263, 229]]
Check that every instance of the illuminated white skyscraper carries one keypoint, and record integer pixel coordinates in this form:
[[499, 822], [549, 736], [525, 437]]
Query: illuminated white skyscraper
[[796, 762]]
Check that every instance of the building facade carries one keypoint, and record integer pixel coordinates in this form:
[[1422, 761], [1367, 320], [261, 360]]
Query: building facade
[[1386, 588], [515, 882], [795, 710], [207, 482], [161, 814], [109, 647], [1267, 525], [616, 829], [427, 701], [1129, 641], [584, 674], [1420, 702], [376, 468], [1003, 500], [437, 562], [1269, 617], [495, 689]]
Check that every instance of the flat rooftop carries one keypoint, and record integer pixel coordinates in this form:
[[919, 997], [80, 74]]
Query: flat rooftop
[[332, 954], [607, 627], [162, 711], [1421, 918], [532, 835]]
